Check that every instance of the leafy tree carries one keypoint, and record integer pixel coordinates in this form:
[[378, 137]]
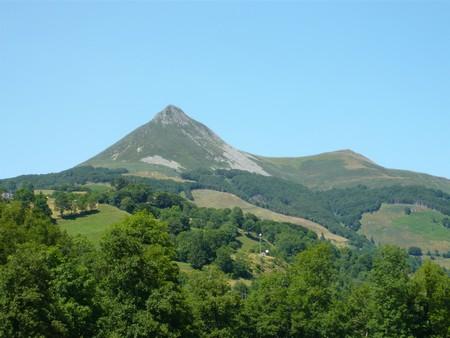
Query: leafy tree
[[312, 291], [389, 284], [415, 251], [127, 204], [43, 293], [215, 306], [431, 287], [241, 268], [82, 203], [140, 294], [62, 202], [223, 259], [266, 311], [176, 220], [24, 195], [446, 222], [40, 205], [290, 243], [237, 216]]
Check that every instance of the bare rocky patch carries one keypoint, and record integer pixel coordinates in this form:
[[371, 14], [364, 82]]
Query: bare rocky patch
[[162, 161]]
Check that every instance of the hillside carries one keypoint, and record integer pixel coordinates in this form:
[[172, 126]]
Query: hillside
[[222, 200], [93, 226], [172, 143], [345, 168], [422, 228]]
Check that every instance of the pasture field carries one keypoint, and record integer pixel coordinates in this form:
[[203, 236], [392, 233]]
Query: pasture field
[[98, 187], [248, 244], [221, 200], [94, 226], [422, 228]]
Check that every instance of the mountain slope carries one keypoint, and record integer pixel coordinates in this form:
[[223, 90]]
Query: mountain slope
[[345, 168], [222, 200], [173, 142]]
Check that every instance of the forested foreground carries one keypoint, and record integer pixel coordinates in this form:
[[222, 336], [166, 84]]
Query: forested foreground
[[130, 286]]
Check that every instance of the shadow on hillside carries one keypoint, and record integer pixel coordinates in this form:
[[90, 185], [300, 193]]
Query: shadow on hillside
[[81, 214]]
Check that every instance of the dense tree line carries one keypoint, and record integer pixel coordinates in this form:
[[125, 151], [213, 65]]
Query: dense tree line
[[75, 204], [53, 285], [340, 210], [331, 208], [64, 179], [204, 236]]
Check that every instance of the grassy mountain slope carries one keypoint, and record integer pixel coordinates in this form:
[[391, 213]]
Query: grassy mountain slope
[[221, 200], [172, 143], [345, 168], [422, 228]]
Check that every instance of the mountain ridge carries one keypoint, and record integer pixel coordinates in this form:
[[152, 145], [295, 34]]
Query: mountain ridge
[[172, 142]]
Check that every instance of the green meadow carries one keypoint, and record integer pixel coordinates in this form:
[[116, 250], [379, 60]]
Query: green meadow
[[93, 226], [422, 228]]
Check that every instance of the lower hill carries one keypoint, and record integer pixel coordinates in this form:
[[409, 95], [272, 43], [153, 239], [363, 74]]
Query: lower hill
[[221, 200], [345, 168]]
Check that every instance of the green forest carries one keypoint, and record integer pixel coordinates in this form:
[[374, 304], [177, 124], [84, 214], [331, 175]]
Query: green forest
[[338, 209], [130, 285]]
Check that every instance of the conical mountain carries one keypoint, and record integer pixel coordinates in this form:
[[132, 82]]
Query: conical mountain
[[173, 142]]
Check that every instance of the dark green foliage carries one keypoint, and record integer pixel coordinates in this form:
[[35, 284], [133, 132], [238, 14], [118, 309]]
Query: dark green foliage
[[55, 286], [139, 291], [218, 227], [415, 251], [41, 206], [24, 195], [75, 204], [194, 249], [241, 269], [177, 220], [266, 310], [446, 222], [66, 178], [331, 208], [431, 288], [215, 306], [223, 259]]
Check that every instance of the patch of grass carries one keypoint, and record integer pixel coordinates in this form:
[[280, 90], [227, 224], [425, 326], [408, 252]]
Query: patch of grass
[[444, 262], [185, 267], [248, 244], [46, 192], [422, 228], [222, 200], [98, 187], [93, 226]]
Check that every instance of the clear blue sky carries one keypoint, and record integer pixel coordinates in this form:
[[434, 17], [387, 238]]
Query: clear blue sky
[[279, 79]]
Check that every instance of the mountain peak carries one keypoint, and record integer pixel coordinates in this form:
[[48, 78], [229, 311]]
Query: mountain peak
[[172, 115], [355, 155]]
